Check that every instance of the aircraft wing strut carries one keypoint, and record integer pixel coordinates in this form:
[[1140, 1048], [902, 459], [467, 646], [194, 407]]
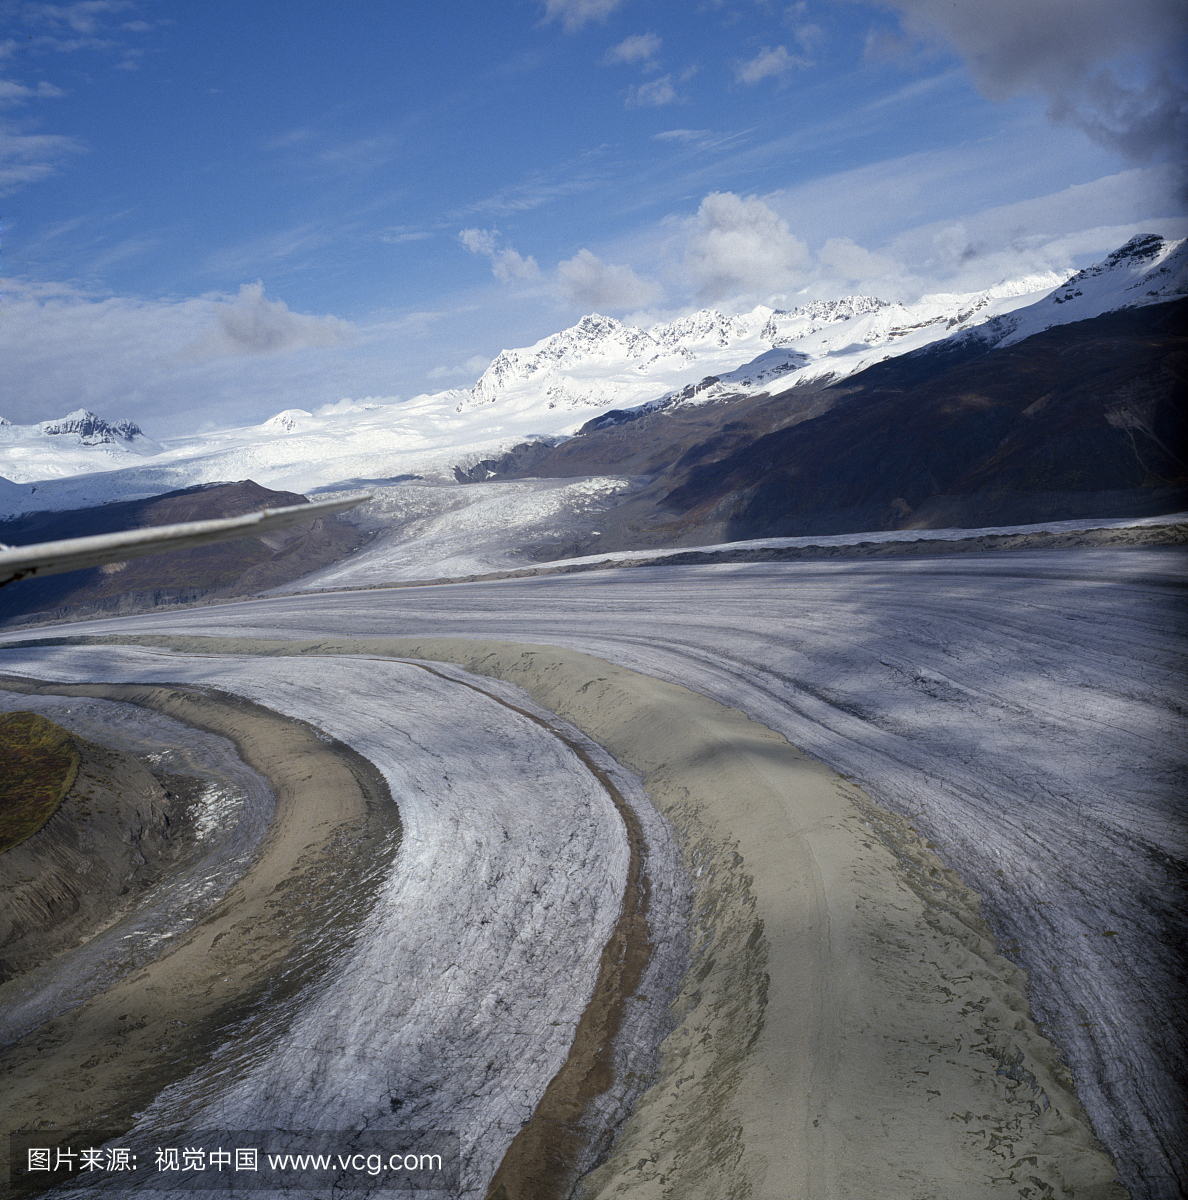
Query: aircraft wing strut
[[72, 554]]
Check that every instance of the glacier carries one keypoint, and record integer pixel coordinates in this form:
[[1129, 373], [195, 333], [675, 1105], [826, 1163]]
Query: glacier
[[1023, 711]]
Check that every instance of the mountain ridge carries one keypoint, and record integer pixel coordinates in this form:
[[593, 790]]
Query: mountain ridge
[[596, 373], [1081, 420]]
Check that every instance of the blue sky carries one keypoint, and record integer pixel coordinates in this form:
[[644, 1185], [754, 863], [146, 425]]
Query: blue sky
[[214, 211]]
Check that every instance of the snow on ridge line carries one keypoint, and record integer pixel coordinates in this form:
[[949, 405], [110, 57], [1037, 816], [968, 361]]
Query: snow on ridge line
[[599, 361], [549, 389], [1147, 270]]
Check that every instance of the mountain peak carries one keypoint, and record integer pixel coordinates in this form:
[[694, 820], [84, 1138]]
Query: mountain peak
[[92, 430], [1148, 269], [596, 325], [603, 345], [1143, 256], [1141, 248], [288, 420]]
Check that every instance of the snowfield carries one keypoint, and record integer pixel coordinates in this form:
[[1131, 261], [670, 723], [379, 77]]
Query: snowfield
[[551, 389]]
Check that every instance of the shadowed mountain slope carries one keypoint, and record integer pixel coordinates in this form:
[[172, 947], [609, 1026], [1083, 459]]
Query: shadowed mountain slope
[[1082, 420]]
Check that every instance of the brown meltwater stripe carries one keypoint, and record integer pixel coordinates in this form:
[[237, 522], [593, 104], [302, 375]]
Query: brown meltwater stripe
[[562, 1138]]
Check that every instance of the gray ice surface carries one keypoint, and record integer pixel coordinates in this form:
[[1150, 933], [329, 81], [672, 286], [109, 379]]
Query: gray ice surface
[[448, 532], [458, 1000], [1025, 711]]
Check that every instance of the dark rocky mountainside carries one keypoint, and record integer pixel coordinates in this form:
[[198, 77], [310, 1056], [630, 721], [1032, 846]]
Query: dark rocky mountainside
[[224, 569], [1083, 420], [1077, 421]]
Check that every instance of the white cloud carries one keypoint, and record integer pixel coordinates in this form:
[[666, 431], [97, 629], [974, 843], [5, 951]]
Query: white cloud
[[842, 259], [587, 282], [252, 324], [1058, 232], [639, 47], [808, 37], [742, 247], [681, 135], [28, 157], [912, 91], [122, 251], [573, 14], [703, 139], [12, 92], [967, 250], [1115, 70], [768, 63], [399, 234], [570, 179], [172, 365], [506, 264], [472, 368], [82, 17], [478, 241], [275, 245], [656, 93]]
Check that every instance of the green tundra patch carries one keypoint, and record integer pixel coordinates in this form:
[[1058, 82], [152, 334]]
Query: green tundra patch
[[38, 763]]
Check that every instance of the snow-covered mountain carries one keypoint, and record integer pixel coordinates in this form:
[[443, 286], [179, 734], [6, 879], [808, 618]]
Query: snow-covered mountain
[[599, 360], [1147, 270], [79, 443], [72, 442], [600, 363], [551, 389]]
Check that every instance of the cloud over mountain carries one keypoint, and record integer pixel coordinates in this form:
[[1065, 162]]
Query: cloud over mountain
[[740, 245], [253, 324], [588, 282]]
